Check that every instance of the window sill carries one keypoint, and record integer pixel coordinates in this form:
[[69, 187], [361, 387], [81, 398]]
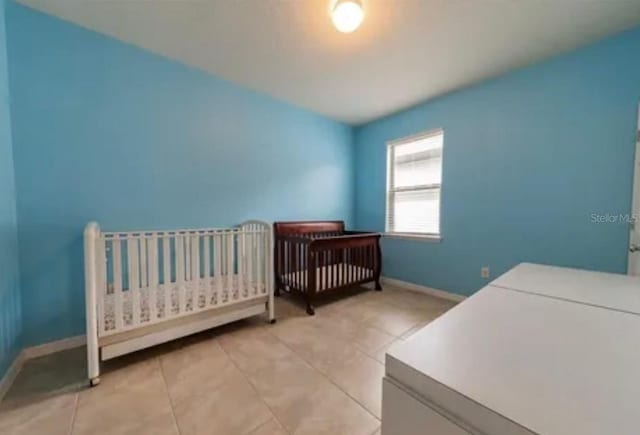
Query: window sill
[[429, 238]]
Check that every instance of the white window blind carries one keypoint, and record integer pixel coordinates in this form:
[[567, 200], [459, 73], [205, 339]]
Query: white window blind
[[414, 177]]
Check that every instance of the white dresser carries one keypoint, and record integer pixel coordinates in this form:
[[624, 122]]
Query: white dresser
[[541, 350]]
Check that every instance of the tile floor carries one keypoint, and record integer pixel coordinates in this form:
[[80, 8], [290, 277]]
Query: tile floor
[[303, 375]]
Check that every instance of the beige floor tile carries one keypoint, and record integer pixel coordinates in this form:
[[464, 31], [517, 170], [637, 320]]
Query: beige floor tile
[[196, 367], [319, 348], [361, 309], [134, 400], [125, 373], [365, 337], [361, 378], [252, 350], [233, 408], [328, 411], [52, 415], [284, 382], [396, 321], [272, 427]]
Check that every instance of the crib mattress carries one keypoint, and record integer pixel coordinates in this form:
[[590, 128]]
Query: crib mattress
[[197, 295], [342, 272]]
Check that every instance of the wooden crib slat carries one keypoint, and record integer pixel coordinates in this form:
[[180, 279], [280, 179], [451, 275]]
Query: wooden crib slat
[[285, 260], [372, 265], [134, 279], [325, 269], [152, 256], [300, 270], [117, 282], [348, 265], [334, 268]]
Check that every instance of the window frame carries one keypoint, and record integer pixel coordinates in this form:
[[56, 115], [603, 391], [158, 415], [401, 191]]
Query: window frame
[[433, 237]]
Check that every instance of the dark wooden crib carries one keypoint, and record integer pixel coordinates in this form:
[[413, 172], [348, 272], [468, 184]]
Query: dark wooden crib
[[319, 257]]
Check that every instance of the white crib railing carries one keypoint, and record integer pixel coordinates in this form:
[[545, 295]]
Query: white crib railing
[[141, 278]]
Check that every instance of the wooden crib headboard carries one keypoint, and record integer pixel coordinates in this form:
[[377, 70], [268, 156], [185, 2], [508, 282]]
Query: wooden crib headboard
[[307, 227]]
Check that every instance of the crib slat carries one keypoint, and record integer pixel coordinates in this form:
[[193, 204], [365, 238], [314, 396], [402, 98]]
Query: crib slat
[[362, 262], [143, 262], [257, 253], [195, 270], [206, 250], [323, 283], [166, 270], [187, 258], [334, 268], [249, 256], [217, 265], [298, 266], [152, 256], [370, 263], [229, 265], [117, 282], [180, 273], [134, 279]]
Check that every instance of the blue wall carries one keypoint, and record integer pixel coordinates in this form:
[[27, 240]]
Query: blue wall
[[106, 131], [10, 315], [527, 159]]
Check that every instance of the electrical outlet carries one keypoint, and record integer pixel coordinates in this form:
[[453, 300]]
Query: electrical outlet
[[484, 272]]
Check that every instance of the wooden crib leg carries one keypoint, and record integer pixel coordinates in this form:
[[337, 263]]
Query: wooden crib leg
[[378, 266], [309, 300], [310, 310]]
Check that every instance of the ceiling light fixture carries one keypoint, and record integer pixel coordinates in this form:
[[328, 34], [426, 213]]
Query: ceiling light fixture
[[347, 15]]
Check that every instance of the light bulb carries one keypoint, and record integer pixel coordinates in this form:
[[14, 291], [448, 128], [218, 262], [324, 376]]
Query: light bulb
[[347, 15]]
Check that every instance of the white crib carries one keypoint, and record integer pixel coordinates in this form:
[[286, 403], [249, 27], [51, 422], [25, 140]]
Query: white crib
[[147, 287]]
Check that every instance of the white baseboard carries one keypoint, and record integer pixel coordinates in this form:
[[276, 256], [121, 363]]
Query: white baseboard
[[54, 346], [423, 289], [11, 374]]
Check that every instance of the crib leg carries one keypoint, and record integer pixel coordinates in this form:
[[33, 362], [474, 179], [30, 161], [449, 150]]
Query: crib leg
[[308, 300], [310, 310], [93, 362], [378, 287]]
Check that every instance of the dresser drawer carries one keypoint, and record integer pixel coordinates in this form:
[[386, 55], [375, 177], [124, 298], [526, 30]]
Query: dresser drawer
[[402, 414]]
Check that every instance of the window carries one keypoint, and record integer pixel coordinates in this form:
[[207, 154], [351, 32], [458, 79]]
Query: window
[[414, 177]]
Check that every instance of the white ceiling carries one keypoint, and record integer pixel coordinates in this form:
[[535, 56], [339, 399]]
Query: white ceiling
[[405, 52]]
